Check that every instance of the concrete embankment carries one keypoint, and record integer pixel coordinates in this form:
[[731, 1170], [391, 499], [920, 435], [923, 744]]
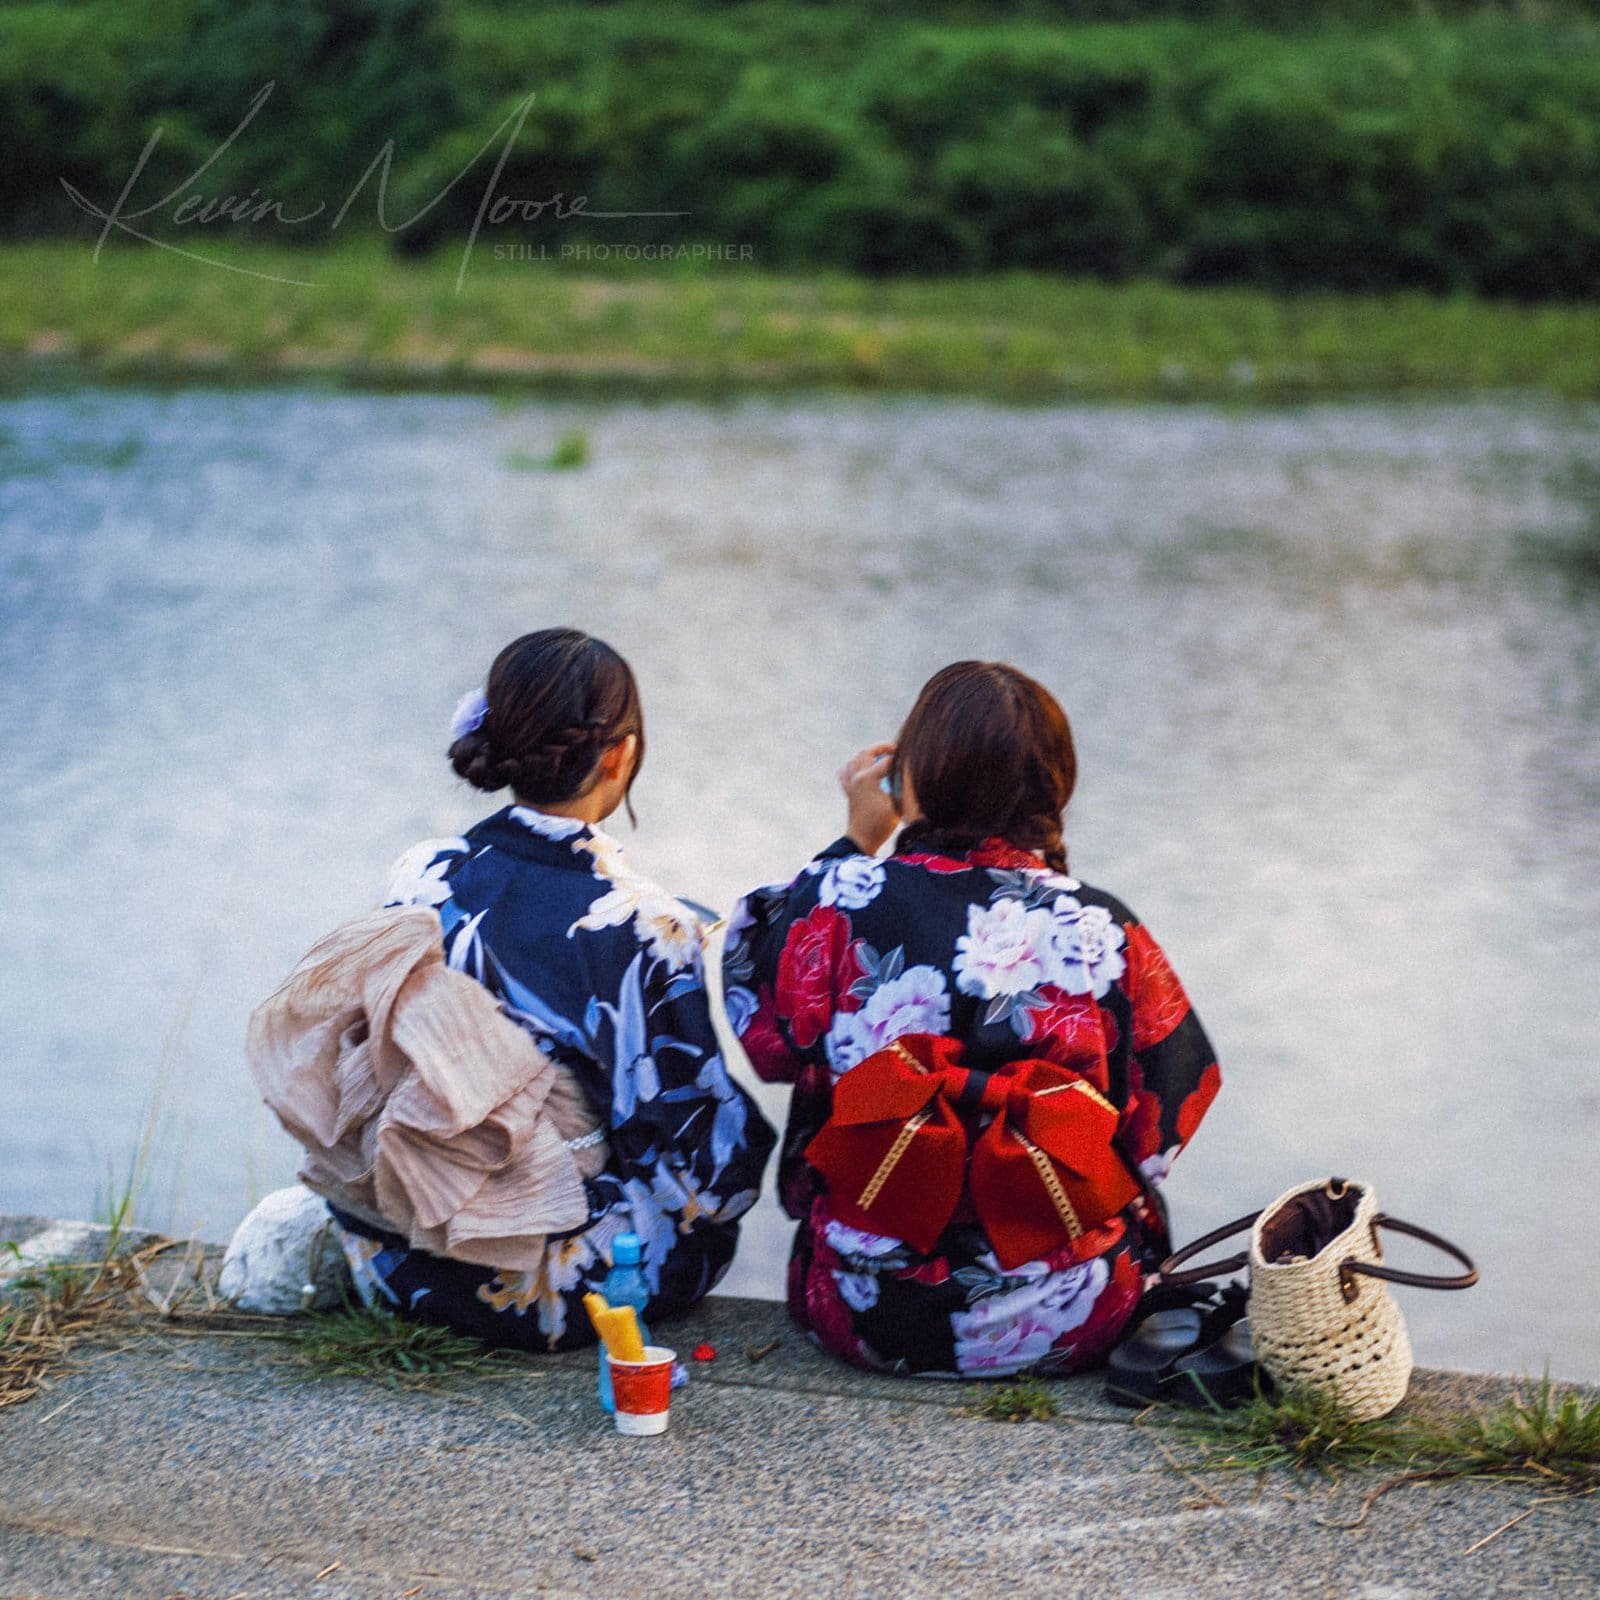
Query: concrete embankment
[[196, 1458]]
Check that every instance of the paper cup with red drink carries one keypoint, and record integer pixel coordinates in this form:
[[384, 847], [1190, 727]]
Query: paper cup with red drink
[[643, 1391]]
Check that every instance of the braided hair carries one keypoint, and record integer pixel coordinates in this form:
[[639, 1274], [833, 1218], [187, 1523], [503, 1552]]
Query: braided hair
[[557, 700]]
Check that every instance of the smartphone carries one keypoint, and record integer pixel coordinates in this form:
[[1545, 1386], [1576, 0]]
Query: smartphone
[[890, 784]]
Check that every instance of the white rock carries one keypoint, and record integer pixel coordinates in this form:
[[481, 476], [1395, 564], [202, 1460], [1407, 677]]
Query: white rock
[[285, 1256]]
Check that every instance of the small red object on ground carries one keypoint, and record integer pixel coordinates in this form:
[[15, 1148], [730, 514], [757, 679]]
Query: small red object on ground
[[705, 1352]]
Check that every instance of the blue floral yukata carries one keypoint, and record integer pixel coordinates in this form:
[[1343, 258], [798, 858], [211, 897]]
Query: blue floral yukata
[[1015, 961], [604, 971]]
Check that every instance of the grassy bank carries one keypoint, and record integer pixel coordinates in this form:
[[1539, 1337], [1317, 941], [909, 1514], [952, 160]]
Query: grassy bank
[[369, 319]]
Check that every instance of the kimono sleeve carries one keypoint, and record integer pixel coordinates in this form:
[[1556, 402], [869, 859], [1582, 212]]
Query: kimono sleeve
[[778, 971], [679, 1122], [1173, 1072]]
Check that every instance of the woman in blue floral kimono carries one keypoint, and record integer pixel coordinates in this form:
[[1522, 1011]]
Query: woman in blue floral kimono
[[604, 970], [945, 993]]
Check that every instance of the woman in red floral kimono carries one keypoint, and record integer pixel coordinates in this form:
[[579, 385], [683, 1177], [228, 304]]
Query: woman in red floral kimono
[[961, 1213]]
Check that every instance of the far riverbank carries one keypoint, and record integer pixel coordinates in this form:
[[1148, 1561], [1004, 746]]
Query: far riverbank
[[488, 322]]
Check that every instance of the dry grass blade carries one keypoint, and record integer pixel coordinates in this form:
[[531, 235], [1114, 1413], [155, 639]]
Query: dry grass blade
[[30, 1348], [1528, 1511], [1510, 1522], [51, 1308], [1373, 1496]]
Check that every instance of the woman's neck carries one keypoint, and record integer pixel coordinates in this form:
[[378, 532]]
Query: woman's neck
[[589, 808]]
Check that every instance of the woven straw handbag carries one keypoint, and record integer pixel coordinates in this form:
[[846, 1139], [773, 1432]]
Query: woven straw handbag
[[1320, 1317]]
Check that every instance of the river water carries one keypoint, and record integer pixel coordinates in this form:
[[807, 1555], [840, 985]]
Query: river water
[[1333, 673]]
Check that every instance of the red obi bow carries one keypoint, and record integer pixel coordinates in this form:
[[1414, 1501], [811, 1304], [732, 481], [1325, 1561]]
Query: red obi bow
[[895, 1150]]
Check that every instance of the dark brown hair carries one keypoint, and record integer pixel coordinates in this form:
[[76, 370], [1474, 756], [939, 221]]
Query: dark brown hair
[[557, 700], [989, 753]]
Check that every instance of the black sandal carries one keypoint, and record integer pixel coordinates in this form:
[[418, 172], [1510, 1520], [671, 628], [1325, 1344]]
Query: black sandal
[[1152, 1362], [1224, 1374], [1142, 1364]]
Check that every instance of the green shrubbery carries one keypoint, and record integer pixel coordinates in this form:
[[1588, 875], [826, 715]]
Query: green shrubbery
[[1365, 146]]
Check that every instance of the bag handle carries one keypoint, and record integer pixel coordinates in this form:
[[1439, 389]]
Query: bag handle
[[1169, 1267], [1416, 1280], [1170, 1272]]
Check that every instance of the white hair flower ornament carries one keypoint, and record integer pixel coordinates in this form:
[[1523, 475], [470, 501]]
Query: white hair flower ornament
[[468, 715]]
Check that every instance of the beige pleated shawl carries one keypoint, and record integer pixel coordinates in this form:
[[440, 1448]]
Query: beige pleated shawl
[[421, 1106]]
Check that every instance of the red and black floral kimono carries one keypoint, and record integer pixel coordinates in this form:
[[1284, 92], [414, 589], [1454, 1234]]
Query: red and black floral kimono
[[1014, 962]]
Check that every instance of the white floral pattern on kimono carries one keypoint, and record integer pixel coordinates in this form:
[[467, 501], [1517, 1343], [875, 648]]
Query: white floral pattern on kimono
[[1015, 962], [604, 970]]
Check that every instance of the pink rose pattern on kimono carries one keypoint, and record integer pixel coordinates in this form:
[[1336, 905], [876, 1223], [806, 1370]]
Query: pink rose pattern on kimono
[[1014, 1331], [1091, 1343], [1017, 961], [914, 1002]]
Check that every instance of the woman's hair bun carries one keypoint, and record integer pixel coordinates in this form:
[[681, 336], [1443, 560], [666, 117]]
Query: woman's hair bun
[[474, 758], [555, 700]]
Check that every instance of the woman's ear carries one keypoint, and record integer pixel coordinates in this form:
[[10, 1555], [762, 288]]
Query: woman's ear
[[616, 763]]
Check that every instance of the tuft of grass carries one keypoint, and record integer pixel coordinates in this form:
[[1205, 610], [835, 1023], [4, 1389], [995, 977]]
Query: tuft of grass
[[358, 1342], [1547, 1434], [114, 1204], [572, 450], [1026, 1400], [1304, 1430]]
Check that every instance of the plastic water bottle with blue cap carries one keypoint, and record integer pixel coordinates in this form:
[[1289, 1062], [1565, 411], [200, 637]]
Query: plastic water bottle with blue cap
[[624, 1286]]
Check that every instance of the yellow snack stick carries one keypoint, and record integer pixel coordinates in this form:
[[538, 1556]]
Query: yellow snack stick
[[608, 1331], [617, 1326], [598, 1309], [623, 1343]]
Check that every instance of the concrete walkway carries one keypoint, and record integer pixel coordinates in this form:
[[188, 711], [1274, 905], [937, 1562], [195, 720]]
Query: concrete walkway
[[202, 1462]]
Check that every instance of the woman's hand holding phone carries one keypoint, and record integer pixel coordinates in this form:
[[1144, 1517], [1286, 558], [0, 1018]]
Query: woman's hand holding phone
[[873, 814]]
